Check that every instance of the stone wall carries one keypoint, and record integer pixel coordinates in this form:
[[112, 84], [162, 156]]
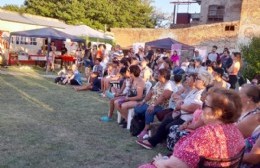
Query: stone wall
[[250, 20], [202, 35]]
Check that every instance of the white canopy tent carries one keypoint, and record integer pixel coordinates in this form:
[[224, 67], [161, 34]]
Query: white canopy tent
[[86, 31]]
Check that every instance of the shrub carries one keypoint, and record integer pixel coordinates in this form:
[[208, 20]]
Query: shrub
[[251, 58]]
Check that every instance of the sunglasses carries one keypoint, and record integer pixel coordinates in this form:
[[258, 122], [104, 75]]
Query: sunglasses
[[204, 105]]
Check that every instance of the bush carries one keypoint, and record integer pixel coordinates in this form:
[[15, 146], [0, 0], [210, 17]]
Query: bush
[[251, 58]]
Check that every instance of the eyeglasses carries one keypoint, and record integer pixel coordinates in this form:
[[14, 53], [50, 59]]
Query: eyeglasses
[[204, 105]]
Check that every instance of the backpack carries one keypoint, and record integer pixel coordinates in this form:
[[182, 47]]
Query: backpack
[[137, 124]]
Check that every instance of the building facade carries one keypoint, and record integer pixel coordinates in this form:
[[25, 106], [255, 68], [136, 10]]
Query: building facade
[[219, 11]]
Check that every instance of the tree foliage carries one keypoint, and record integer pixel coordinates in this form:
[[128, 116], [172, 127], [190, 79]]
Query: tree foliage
[[95, 13], [15, 8], [251, 58]]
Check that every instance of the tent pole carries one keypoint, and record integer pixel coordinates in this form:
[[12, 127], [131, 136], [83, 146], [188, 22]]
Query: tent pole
[[8, 53], [48, 53]]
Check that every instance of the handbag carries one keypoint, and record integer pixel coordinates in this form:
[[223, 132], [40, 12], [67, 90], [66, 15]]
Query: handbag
[[131, 93]]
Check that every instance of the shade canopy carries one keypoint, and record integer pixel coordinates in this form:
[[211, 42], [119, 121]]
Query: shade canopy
[[86, 31], [167, 43], [47, 33]]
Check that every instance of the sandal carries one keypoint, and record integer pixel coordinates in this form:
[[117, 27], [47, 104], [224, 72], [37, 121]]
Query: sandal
[[105, 119]]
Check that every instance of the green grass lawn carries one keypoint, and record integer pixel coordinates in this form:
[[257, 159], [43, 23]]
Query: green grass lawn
[[47, 125]]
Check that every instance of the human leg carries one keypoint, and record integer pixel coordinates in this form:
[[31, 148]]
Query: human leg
[[163, 129], [125, 106]]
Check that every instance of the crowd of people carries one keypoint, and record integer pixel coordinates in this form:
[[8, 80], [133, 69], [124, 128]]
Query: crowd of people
[[204, 110]]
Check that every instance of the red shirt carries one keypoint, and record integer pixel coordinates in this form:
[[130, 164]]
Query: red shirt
[[211, 141]]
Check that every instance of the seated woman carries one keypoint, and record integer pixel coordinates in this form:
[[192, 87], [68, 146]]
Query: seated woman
[[218, 80], [184, 110], [222, 108], [252, 150], [249, 124], [95, 84], [137, 93], [75, 78], [249, 119], [118, 94], [156, 100], [178, 131]]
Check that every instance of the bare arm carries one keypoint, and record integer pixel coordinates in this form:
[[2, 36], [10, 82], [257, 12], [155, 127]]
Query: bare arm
[[253, 156], [171, 162], [148, 96], [139, 90], [165, 96], [190, 108]]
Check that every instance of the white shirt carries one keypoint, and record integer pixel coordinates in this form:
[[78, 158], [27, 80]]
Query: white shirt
[[169, 86], [192, 98], [213, 57]]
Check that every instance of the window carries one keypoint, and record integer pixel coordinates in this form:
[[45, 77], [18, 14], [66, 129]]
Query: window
[[230, 28], [23, 40], [33, 41], [216, 13]]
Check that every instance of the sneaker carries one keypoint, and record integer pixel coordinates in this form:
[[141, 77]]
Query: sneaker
[[105, 119], [142, 135], [124, 125], [122, 122], [143, 144]]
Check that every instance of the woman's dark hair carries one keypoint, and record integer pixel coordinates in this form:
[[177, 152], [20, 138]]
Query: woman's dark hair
[[99, 59], [219, 71], [135, 69], [252, 92], [165, 73], [124, 62], [193, 75], [228, 102], [116, 62], [177, 78], [123, 70], [208, 63]]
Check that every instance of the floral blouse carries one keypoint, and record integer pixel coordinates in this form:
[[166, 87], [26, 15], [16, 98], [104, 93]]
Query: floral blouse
[[211, 141], [158, 90]]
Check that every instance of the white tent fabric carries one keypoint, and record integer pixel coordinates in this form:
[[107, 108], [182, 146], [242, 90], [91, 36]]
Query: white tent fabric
[[83, 30]]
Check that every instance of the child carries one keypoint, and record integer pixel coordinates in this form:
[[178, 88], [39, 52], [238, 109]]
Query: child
[[95, 85], [61, 75], [75, 78]]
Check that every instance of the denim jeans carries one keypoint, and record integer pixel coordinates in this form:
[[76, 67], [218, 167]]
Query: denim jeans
[[88, 63], [149, 117]]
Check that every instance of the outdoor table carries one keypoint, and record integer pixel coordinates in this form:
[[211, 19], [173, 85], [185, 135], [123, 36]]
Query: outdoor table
[[37, 58], [66, 59]]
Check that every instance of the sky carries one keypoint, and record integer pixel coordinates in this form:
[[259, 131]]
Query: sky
[[162, 5]]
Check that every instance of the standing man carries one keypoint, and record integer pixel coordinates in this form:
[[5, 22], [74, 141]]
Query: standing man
[[213, 56]]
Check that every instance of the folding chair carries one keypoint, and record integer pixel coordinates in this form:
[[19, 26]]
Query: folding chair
[[233, 162], [148, 86]]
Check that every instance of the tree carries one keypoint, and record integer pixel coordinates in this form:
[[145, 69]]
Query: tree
[[251, 58], [14, 8], [98, 14], [161, 19]]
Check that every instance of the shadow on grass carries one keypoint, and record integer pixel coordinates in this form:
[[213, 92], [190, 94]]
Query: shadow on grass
[[47, 125]]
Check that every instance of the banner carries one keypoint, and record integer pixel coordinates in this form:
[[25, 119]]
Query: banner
[[176, 47]]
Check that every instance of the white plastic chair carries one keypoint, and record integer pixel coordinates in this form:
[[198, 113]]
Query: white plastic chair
[[131, 112]]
